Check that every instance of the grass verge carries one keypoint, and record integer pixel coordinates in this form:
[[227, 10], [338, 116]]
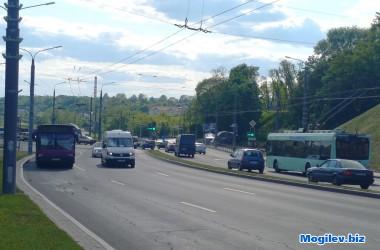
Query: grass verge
[[24, 226], [253, 175]]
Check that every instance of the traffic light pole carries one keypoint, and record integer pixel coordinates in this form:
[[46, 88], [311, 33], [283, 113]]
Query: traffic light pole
[[12, 57]]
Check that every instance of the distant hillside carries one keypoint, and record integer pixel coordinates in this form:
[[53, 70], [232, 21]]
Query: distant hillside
[[368, 122]]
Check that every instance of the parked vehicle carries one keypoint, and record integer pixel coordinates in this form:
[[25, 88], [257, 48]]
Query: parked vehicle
[[148, 144], [97, 150], [55, 145], [341, 171], [87, 140], [170, 147], [200, 148], [249, 159], [118, 148], [185, 145]]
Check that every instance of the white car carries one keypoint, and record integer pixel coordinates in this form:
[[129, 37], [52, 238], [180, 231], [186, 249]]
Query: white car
[[200, 148], [97, 150]]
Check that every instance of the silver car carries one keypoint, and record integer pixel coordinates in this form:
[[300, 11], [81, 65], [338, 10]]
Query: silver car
[[97, 150], [200, 148]]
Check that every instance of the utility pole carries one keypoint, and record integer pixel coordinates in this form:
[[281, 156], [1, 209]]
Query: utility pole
[[12, 57], [95, 106], [100, 115], [31, 108], [235, 123], [278, 108], [53, 117], [305, 110], [90, 116]]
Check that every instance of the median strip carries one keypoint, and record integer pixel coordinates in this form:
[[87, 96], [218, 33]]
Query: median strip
[[262, 177]]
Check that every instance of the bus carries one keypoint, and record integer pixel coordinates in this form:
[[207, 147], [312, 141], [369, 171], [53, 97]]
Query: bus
[[55, 145], [297, 151]]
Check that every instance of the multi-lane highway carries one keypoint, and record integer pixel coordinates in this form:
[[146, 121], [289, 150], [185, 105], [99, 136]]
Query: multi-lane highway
[[218, 158], [159, 205]]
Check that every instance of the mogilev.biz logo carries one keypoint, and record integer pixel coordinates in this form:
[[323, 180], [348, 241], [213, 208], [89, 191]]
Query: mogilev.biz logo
[[329, 238]]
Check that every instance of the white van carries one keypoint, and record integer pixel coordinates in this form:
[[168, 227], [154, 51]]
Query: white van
[[117, 148]]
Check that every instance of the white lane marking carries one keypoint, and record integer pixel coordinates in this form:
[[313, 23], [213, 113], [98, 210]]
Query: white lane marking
[[68, 216], [79, 168], [159, 173], [199, 207], [239, 191], [118, 183]]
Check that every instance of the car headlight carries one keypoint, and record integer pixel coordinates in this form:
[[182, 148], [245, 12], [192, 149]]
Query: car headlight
[[131, 154], [109, 153]]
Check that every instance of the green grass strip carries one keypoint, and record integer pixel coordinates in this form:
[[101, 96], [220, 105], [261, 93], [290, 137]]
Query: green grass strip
[[24, 226]]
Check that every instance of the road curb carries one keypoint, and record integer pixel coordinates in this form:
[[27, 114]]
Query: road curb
[[79, 233], [272, 180]]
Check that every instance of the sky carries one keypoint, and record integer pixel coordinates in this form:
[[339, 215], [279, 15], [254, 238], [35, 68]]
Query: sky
[[135, 47]]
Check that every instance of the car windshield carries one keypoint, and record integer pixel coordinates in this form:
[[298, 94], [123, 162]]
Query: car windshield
[[119, 142], [56, 141], [98, 145]]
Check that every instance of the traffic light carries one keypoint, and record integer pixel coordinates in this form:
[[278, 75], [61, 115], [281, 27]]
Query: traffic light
[[251, 134], [152, 126]]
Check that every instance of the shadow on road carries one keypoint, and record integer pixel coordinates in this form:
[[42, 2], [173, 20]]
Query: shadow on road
[[113, 167], [31, 166]]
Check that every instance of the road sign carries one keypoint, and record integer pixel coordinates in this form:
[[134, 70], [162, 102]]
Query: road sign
[[252, 123]]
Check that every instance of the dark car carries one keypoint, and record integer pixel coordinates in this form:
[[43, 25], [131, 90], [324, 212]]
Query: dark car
[[148, 144], [170, 147], [247, 159], [339, 172], [161, 144], [87, 140], [185, 145]]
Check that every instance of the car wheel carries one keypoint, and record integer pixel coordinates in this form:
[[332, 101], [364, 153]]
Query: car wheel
[[261, 170], [229, 165], [336, 181], [240, 167], [364, 186], [133, 165], [311, 178], [307, 166], [275, 167], [192, 156]]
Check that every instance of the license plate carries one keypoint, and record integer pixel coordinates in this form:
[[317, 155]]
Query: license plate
[[56, 159], [253, 162], [120, 160], [361, 174], [184, 148]]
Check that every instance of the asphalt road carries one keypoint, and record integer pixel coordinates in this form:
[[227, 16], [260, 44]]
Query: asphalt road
[[219, 158], [159, 205]]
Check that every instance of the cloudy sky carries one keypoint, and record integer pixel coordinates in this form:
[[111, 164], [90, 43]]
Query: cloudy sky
[[136, 44]]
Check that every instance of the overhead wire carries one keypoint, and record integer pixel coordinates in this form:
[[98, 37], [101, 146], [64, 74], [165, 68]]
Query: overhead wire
[[167, 38], [193, 34]]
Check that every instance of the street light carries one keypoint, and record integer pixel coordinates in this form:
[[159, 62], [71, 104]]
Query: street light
[[101, 107], [305, 90], [53, 117], [31, 106]]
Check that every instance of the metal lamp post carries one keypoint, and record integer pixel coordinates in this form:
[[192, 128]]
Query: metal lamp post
[[31, 101]]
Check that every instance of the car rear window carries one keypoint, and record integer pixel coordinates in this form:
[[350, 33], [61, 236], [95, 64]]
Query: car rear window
[[252, 153], [351, 164]]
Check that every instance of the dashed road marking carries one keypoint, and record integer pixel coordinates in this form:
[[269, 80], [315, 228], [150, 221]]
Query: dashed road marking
[[199, 207], [238, 191], [159, 173], [118, 183], [79, 168]]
